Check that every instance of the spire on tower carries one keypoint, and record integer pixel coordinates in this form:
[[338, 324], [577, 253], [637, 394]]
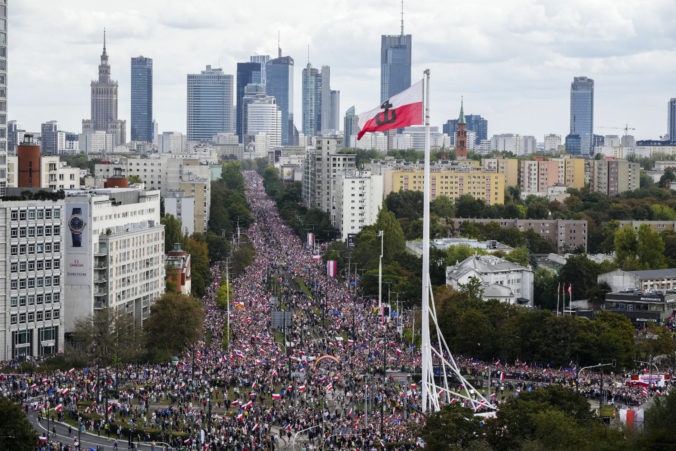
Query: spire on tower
[[402, 17], [461, 119], [104, 40], [279, 45]]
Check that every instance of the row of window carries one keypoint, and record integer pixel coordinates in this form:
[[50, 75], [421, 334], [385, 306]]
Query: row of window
[[30, 317], [33, 299], [20, 249], [32, 231], [38, 213], [35, 265], [33, 282]]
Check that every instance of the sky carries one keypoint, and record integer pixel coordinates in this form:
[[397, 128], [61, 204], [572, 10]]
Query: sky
[[511, 60]]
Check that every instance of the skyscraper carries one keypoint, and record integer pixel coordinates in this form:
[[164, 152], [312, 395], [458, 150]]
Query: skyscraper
[[582, 113], [263, 61], [246, 73], [49, 138], [351, 127], [312, 101], [395, 62], [104, 104], [142, 99], [279, 84], [671, 128], [3, 96], [210, 109]]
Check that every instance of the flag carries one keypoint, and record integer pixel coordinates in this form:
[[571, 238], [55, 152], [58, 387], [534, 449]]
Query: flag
[[58, 408], [247, 405], [492, 395], [240, 416], [331, 268], [301, 388], [570, 288], [276, 395], [71, 371], [401, 110], [398, 351], [255, 428]]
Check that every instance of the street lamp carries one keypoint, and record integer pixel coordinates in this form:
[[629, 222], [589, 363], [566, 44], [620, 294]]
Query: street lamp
[[381, 234]]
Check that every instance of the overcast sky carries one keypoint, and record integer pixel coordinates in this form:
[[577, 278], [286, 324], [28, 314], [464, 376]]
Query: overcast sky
[[512, 60]]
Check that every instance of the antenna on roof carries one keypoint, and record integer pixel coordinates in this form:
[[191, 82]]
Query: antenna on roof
[[279, 46], [402, 17], [308, 53]]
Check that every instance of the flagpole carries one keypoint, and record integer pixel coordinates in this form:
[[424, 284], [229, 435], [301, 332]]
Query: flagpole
[[557, 300], [426, 345]]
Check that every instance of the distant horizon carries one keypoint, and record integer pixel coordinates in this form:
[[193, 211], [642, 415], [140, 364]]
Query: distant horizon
[[513, 63]]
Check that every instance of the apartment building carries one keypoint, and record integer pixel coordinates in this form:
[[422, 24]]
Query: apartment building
[[358, 196], [611, 176]]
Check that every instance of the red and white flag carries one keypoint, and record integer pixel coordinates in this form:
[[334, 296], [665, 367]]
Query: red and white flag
[[276, 396], [401, 110], [58, 408]]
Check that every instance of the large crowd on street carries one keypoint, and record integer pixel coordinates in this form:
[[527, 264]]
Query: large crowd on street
[[316, 379]]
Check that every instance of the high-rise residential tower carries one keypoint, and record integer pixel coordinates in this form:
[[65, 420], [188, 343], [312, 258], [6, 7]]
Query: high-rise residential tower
[[672, 120], [49, 138], [279, 84], [104, 104], [3, 96], [246, 73], [395, 62], [142, 99], [351, 127], [210, 108], [582, 113]]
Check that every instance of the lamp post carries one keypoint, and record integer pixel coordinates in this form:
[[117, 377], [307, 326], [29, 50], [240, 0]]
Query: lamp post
[[381, 234]]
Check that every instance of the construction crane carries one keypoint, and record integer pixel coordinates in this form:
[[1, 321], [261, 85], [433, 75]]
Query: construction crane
[[626, 129]]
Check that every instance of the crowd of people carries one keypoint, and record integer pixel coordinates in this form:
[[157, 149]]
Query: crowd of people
[[333, 371]]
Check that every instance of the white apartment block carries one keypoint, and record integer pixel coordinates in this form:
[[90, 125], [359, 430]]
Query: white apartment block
[[552, 142], [114, 252], [517, 144], [172, 142], [358, 198], [96, 142], [32, 288], [371, 141], [181, 206]]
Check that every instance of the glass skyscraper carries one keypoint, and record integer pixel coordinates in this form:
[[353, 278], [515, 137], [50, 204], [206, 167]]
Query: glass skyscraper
[[312, 101], [351, 126], [279, 84], [210, 108], [582, 113], [142, 99], [395, 64], [246, 73]]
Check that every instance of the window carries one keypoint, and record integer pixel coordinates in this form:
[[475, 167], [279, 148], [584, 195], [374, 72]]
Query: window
[[31, 231], [13, 302], [31, 214], [22, 215], [57, 247], [48, 298], [22, 318], [56, 314], [48, 247], [14, 267], [40, 283], [57, 297], [40, 298], [57, 230], [48, 264], [40, 248], [31, 248], [31, 265], [13, 319], [22, 284], [56, 280], [15, 250], [48, 213], [41, 214], [48, 315], [48, 281], [48, 231], [31, 282], [14, 215], [57, 264], [31, 317], [22, 266], [41, 265], [39, 316], [57, 211], [22, 232], [14, 232], [13, 284], [22, 249], [40, 230]]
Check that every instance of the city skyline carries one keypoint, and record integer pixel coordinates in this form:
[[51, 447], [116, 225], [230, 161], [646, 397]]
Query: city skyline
[[513, 64]]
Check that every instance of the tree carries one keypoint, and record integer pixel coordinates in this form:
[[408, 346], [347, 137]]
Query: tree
[[197, 247], [16, 432], [443, 207], [108, 337], [626, 246], [134, 178], [452, 427], [650, 248], [519, 255], [405, 204], [658, 432], [667, 178], [545, 287], [217, 246], [394, 243], [175, 322], [173, 232], [474, 288]]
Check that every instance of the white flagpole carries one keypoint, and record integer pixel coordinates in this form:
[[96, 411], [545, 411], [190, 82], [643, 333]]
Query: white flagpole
[[426, 350]]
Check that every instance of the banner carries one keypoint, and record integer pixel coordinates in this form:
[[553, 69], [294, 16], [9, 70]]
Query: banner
[[331, 268], [310, 240]]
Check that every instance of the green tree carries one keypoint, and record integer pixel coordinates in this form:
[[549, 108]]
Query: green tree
[[650, 248], [663, 212], [658, 426], [175, 322], [519, 255], [453, 427], [473, 288], [405, 204], [394, 243], [545, 288], [16, 432], [107, 337], [197, 247], [172, 232], [626, 247], [443, 207]]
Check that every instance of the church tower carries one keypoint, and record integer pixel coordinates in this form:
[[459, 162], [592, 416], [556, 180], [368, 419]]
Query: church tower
[[461, 135]]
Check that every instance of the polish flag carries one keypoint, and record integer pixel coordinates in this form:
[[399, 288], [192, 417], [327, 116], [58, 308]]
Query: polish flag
[[401, 110], [58, 408], [301, 388], [329, 387], [33, 386], [398, 351], [247, 405], [255, 428], [235, 403], [71, 371], [276, 396], [240, 416], [492, 395]]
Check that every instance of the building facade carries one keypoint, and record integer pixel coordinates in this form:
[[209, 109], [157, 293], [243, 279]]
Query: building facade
[[279, 84], [351, 127], [395, 64], [671, 118], [178, 269], [509, 167], [32, 296], [3, 96], [320, 169], [358, 197], [582, 113], [182, 207], [501, 279], [142, 99], [49, 138], [247, 73], [611, 176], [104, 104], [312, 101], [567, 235], [263, 116], [114, 252], [210, 104]]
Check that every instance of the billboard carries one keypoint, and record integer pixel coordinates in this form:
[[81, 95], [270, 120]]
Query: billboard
[[78, 241], [287, 174]]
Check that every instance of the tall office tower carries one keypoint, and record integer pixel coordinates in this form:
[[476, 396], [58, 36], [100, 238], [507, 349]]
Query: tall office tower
[[3, 96], [104, 104], [351, 127], [210, 109], [334, 117], [461, 135], [247, 73], [263, 61], [263, 116], [13, 136], [582, 112], [142, 128], [252, 91], [312, 100], [279, 84], [49, 138], [326, 99], [671, 130], [395, 62]]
